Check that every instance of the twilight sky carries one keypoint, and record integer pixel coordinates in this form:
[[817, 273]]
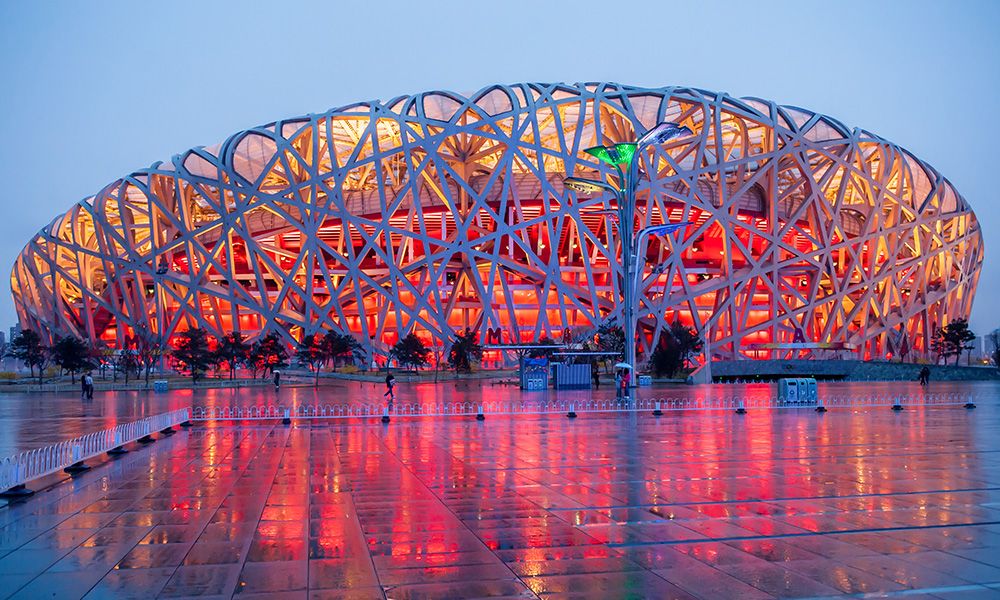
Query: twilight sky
[[92, 91]]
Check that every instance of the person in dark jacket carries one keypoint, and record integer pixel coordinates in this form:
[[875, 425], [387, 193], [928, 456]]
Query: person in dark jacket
[[390, 386], [277, 378]]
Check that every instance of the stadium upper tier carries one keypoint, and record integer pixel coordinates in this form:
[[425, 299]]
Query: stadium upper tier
[[435, 212]]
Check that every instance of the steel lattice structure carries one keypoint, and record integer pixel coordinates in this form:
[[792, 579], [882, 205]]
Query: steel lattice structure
[[438, 211]]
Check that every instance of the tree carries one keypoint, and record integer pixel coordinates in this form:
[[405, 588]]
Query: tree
[[233, 351], [611, 338], [953, 339], [939, 347], [311, 352], [341, 345], [148, 349], [125, 361], [72, 355], [256, 358], [268, 353], [27, 347], [411, 351], [104, 356], [676, 347], [193, 352], [543, 352], [465, 350]]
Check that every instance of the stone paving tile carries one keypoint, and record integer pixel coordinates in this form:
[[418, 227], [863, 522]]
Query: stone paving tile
[[127, 584], [706, 582], [769, 504], [842, 577], [628, 584]]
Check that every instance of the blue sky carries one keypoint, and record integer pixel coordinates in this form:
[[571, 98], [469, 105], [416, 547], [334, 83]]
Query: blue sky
[[92, 91]]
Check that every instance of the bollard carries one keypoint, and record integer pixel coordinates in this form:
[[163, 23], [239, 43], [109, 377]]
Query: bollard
[[572, 413], [78, 465], [479, 413], [896, 406], [385, 415], [819, 406], [656, 411], [740, 409], [287, 419]]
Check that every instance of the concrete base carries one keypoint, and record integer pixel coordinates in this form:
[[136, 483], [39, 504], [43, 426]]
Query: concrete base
[[75, 468], [702, 374], [18, 492]]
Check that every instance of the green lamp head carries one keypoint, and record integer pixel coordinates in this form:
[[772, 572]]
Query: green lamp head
[[619, 154]]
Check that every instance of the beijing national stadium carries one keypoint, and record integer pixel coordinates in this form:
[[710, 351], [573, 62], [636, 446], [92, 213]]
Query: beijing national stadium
[[797, 236]]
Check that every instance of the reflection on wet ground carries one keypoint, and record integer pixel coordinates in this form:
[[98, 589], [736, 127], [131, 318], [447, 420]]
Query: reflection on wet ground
[[29, 421], [701, 505]]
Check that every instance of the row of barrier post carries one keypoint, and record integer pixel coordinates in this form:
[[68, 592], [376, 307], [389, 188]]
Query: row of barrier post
[[570, 409], [71, 456], [766, 380]]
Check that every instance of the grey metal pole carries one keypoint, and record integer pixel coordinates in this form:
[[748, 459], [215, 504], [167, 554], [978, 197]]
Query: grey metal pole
[[629, 265]]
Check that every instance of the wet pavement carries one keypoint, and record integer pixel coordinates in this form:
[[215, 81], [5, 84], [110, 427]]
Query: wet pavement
[[782, 503], [29, 421]]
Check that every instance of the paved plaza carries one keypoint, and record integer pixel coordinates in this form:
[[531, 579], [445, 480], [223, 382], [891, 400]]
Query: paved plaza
[[774, 503]]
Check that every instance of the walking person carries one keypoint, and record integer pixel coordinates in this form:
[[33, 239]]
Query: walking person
[[595, 374], [626, 383], [390, 386], [89, 384], [277, 379], [925, 375], [83, 385], [618, 384]]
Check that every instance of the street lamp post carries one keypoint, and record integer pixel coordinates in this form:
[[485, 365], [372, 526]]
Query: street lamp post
[[161, 269], [619, 155]]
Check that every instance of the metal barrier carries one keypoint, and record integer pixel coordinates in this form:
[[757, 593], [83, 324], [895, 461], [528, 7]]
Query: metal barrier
[[564, 407], [70, 456]]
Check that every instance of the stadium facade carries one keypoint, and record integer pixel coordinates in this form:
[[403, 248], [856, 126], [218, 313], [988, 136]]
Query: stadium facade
[[435, 212]]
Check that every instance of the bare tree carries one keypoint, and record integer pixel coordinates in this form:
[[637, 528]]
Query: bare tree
[[148, 349]]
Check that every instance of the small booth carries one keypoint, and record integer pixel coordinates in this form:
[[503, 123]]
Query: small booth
[[797, 390], [570, 376], [534, 374]]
